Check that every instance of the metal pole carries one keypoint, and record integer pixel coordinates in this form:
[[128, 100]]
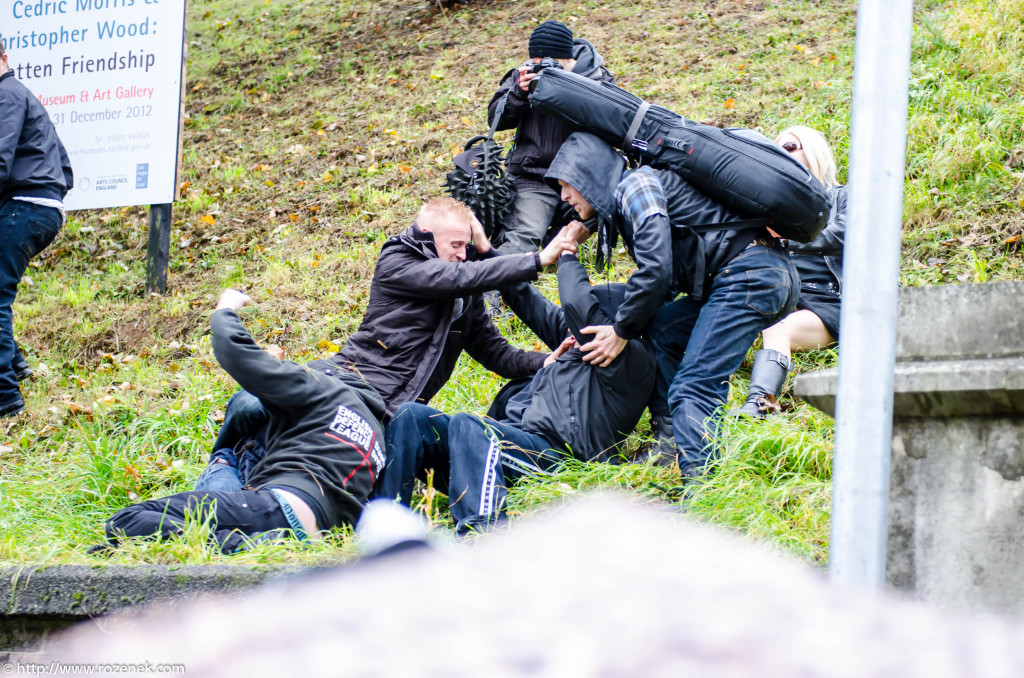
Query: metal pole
[[871, 280], [159, 250]]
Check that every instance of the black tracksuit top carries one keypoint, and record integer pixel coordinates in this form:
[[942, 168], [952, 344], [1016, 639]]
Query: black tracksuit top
[[324, 436]]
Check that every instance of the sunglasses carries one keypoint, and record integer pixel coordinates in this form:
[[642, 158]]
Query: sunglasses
[[791, 146]]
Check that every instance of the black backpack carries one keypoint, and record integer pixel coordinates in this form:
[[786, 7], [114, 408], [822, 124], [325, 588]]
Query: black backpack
[[741, 168], [480, 178]]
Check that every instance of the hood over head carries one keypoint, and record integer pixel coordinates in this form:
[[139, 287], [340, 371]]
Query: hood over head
[[588, 61], [592, 167]]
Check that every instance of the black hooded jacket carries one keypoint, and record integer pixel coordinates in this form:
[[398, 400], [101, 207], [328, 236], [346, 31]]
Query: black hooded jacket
[[33, 162], [324, 437], [538, 135], [588, 411], [423, 312], [671, 258]]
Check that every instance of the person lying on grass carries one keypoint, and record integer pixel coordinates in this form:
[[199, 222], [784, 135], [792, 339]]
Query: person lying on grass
[[323, 449], [425, 309], [569, 408]]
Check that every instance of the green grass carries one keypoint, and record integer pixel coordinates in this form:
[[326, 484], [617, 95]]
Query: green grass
[[314, 131]]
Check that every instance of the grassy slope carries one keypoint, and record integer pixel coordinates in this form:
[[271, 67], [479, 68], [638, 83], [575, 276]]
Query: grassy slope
[[314, 131]]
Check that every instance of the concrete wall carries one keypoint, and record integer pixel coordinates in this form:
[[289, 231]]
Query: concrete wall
[[956, 512], [38, 601]]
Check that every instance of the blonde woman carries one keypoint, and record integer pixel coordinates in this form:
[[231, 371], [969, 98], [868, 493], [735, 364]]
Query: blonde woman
[[815, 322]]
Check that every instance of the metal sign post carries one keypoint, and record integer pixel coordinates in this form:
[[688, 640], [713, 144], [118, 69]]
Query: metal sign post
[[870, 285], [159, 251]]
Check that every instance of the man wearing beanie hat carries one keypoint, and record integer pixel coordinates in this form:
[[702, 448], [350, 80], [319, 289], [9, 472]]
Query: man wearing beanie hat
[[538, 136]]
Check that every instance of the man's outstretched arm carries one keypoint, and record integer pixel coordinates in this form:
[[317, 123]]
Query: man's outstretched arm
[[276, 383]]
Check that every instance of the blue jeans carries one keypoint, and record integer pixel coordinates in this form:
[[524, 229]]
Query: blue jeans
[[700, 345], [25, 231], [229, 468], [474, 460]]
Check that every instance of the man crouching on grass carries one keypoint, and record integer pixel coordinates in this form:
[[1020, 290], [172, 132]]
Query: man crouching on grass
[[323, 441]]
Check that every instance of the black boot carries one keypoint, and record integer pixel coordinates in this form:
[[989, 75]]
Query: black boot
[[663, 450], [766, 380]]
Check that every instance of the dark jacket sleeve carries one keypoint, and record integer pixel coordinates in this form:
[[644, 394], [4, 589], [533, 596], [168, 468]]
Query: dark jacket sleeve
[[438, 279], [578, 304], [518, 102], [65, 165], [540, 315], [279, 384], [830, 241], [487, 346], [11, 122], [647, 287]]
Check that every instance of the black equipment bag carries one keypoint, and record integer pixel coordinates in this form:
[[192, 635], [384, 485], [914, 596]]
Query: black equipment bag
[[741, 168], [480, 178]]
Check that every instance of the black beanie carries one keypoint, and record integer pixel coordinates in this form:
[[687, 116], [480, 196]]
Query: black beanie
[[551, 39]]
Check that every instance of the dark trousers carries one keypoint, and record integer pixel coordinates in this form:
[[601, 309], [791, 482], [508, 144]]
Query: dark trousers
[[232, 516], [474, 460], [25, 231], [700, 345], [532, 212]]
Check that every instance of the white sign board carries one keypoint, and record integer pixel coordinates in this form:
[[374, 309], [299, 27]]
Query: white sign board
[[109, 74]]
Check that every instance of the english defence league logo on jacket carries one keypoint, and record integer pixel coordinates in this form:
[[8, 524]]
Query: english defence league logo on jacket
[[354, 428]]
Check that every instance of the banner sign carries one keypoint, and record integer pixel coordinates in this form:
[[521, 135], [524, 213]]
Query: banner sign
[[109, 74]]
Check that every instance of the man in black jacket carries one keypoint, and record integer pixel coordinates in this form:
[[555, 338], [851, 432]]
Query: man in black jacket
[[323, 449], [35, 175], [425, 308], [538, 136], [569, 408], [737, 282]]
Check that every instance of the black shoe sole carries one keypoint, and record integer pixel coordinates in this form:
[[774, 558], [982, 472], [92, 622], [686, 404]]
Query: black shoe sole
[[22, 371], [12, 410]]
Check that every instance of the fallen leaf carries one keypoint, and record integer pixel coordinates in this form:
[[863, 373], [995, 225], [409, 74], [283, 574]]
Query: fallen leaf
[[730, 103], [78, 411]]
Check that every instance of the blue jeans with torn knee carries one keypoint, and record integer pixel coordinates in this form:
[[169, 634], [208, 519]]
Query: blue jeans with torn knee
[[699, 345]]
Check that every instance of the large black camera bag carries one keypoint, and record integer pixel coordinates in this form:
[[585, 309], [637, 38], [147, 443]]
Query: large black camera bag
[[741, 168]]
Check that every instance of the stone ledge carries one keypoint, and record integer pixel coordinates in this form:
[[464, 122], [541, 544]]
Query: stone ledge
[[935, 388], [76, 591], [40, 599], [961, 321]]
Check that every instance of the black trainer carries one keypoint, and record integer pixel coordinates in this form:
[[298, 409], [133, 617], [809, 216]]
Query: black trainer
[[22, 370], [13, 409]]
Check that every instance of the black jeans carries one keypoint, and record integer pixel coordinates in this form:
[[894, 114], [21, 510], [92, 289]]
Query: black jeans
[[232, 516], [25, 231]]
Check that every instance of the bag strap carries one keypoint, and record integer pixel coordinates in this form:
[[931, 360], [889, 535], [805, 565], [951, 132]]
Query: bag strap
[[498, 112], [634, 127], [699, 265], [731, 225]]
